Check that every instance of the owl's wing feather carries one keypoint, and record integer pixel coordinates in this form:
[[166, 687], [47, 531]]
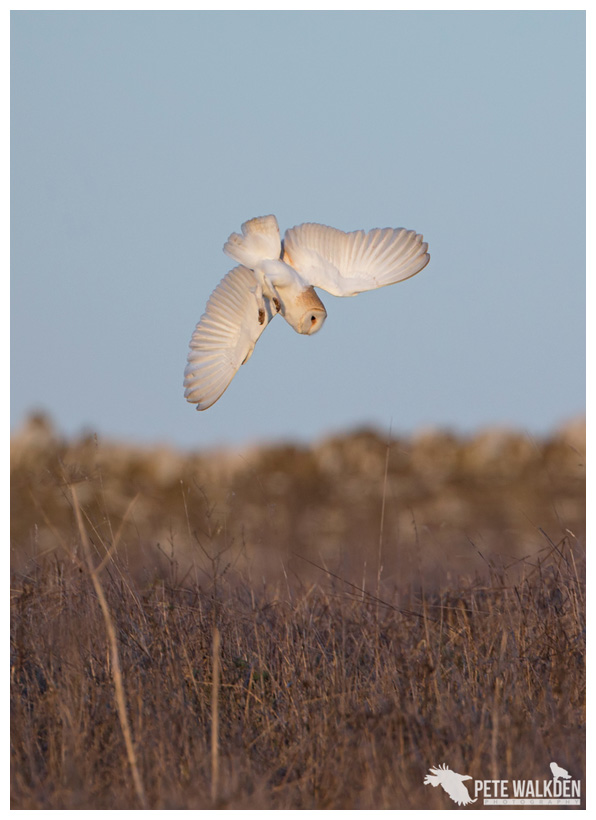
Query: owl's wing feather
[[225, 337], [348, 263]]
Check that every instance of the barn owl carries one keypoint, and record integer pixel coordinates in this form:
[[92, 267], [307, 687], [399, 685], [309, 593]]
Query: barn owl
[[559, 772], [280, 277]]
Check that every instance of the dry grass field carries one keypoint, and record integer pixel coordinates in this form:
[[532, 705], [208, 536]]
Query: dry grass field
[[294, 627]]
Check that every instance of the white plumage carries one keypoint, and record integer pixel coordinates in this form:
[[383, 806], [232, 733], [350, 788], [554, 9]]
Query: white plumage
[[451, 782], [558, 771], [275, 277]]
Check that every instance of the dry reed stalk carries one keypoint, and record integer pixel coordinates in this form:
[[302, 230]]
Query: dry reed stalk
[[382, 523], [498, 694], [115, 658], [380, 556], [215, 718], [248, 694], [116, 538]]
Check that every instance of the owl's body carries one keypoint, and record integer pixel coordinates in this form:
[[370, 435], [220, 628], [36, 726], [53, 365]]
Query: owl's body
[[559, 772], [275, 277]]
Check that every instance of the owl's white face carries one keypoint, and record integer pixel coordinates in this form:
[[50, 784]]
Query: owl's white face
[[302, 308], [312, 321]]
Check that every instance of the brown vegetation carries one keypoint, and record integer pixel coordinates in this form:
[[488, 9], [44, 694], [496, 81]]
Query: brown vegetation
[[380, 607]]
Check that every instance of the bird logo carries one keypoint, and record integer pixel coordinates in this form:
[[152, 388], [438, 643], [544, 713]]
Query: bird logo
[[275, 276], [558, 772], [450, 782]]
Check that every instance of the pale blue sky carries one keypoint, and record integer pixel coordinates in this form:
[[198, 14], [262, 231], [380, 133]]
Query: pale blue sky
[[141, 140]]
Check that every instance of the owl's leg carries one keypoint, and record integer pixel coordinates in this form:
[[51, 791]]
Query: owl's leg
[[264, 290], [261, 299], [271, 293]]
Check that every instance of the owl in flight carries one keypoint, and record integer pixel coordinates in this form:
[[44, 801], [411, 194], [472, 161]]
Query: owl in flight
[[276, 276]]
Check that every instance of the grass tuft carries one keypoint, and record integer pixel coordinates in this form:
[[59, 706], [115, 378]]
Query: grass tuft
[[231, 662]]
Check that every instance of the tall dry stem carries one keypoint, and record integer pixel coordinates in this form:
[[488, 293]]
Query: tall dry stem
[[114, 655], [382, 523], [215, 718]]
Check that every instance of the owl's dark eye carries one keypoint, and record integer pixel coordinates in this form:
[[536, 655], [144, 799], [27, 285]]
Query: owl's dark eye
[[313, 319]]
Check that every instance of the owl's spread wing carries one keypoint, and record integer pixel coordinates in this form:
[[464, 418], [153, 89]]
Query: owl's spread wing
[[225, 336], [348, 263]]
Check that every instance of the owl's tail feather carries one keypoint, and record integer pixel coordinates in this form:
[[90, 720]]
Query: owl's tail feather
[[260, 240]]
